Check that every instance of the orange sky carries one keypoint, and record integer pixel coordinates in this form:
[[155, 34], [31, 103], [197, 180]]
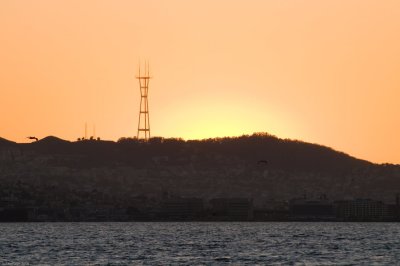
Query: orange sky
[[326, 72]]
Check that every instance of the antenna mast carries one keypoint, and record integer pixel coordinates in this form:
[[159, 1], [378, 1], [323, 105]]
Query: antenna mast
[[144, 119]]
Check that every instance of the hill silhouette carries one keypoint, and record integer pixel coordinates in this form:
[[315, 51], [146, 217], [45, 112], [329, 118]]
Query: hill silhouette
[[281, 154], [48, 144], [5, 142], [51, 140], [258, 166]]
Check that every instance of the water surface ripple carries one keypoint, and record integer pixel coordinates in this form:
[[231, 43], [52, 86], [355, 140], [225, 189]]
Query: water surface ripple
[[200, 243]]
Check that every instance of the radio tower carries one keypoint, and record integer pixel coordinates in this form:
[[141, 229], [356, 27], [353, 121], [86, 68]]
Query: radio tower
[[144, 120]]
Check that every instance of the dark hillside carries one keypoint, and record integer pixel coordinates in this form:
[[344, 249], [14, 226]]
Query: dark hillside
[[6, 143], [281, 154], [260, 166]]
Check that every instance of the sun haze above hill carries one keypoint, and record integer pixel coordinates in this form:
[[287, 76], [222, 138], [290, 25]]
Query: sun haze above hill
[[320, 71]]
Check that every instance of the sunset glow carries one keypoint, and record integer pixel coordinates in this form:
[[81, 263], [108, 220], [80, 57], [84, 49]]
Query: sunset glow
[[325, 72]]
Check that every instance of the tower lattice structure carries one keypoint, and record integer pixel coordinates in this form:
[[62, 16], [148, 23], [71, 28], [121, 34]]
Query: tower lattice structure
[[143, 131]]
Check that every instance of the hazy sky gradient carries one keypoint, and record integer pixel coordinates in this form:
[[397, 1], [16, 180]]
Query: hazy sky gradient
[[326, 72]]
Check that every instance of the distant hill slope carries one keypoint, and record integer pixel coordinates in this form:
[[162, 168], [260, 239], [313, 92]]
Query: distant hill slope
[[51, 140], [5, 142], [283, 154], [49, 144], [259, 166]]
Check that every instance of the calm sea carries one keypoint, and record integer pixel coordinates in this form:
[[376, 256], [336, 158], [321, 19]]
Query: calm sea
[[200, 243]]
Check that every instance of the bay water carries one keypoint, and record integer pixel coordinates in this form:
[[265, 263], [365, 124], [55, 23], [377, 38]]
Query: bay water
[[200, 243]]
